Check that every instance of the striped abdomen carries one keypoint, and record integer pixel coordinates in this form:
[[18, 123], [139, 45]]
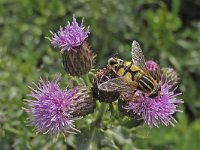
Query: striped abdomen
[[147, 84]]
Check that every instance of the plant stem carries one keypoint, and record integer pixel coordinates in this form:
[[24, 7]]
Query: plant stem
[[87, 80], [102, 110]]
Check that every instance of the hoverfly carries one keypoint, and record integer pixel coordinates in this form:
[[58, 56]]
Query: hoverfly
[[132, 75]]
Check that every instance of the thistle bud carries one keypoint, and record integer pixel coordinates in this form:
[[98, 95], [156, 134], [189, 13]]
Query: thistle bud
[[170, 75], [79, 62], [151, 65], [102, 76], [83, 103], [154, 69]]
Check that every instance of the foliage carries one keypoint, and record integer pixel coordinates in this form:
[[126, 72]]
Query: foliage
[[166, 34]]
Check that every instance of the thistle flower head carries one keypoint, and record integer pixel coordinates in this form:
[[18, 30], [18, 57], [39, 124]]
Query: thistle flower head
[[76, 52], [50, 108], [155, 111], [151, 65], [70, 37]]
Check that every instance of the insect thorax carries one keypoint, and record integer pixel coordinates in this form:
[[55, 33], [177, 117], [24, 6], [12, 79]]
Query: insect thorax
[[128, 71]]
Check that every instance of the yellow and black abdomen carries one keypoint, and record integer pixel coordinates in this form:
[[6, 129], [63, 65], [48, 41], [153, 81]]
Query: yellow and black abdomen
[[147, 84]]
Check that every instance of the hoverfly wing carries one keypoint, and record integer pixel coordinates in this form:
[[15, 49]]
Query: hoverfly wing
[[138, 56], [115, 84]]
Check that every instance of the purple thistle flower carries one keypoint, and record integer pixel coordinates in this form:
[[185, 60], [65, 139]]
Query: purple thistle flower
[[70, 37], [158, 110], [151, 65], [77, 56], [50, 108]]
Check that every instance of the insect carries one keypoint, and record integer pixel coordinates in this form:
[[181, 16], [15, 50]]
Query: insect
[[132, 75]]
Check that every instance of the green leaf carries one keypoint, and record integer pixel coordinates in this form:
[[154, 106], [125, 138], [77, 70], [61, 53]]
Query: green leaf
[[85, 140]]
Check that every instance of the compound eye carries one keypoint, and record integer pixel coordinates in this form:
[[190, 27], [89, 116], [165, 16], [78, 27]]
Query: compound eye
[[112, 62], [120, 61]]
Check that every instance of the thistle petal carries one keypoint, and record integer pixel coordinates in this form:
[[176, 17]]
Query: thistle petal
[[69, 37]]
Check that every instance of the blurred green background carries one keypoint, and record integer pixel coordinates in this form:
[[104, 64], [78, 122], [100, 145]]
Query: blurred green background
[[169, 32]]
